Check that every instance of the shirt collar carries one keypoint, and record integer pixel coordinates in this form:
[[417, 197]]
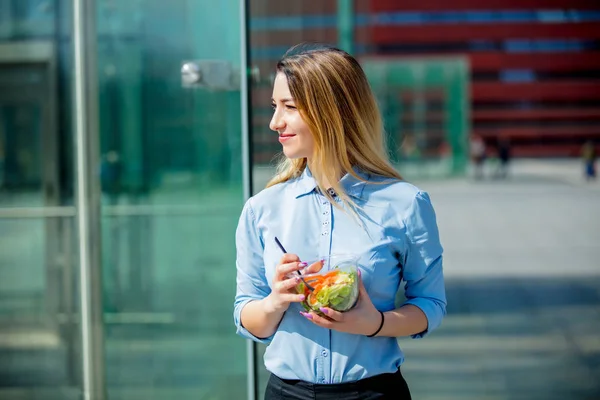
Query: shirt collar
[[306, 183]]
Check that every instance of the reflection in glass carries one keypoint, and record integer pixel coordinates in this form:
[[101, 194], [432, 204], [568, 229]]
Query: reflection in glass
[[39, 332], [171, 178]]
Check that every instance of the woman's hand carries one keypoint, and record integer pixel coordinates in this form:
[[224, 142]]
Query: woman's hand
[[363, 319], [286, 278]]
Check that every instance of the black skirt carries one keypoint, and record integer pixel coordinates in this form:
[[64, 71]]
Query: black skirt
[[381, 387]]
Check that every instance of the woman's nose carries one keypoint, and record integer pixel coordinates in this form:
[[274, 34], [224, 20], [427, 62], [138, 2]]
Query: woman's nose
[[277, 122]]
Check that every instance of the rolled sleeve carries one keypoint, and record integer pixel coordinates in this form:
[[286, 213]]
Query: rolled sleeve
[[423, 269], [251, 282]]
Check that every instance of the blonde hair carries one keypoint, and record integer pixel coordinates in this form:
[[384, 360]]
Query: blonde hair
[[334, 98]]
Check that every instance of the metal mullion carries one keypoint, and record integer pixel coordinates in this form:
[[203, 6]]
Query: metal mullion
[[88, 198], [251, 347]]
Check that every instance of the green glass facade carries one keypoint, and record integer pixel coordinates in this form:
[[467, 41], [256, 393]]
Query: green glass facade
[[170, 171]]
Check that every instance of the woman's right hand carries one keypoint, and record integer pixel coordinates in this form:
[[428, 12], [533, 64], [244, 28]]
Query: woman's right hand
[[285, 280]]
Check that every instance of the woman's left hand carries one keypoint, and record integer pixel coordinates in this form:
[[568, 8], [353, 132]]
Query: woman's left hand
[[363, 319]]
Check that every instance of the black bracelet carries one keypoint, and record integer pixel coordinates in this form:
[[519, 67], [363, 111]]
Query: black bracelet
[[380, 325]]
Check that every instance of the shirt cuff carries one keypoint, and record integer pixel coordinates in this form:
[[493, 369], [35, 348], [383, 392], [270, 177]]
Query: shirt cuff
[[433, 311], [240, 330]]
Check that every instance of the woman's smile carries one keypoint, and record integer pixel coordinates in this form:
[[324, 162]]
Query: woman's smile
[[283, 137]]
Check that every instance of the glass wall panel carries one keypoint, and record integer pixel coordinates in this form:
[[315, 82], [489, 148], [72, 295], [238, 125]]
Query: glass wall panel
[[39, 332], [439, 86], [171, 177], [426, 118]]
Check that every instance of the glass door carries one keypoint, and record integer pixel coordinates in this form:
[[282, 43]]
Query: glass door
[[170, 144]]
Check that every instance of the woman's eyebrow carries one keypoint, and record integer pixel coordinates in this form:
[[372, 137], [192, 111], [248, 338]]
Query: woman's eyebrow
[[283, 100]]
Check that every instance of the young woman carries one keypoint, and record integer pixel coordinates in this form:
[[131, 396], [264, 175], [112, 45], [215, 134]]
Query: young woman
[[335, 193]]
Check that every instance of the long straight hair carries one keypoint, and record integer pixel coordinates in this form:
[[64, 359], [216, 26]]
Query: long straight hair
[[335, 100]]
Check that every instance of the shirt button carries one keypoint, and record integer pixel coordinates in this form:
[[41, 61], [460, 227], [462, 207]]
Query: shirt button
[[324, 353]]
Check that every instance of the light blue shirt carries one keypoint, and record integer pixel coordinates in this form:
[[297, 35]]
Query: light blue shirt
[[399, 240]]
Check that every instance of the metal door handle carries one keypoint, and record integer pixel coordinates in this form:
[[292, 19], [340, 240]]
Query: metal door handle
[[210, 74], [191, 73]]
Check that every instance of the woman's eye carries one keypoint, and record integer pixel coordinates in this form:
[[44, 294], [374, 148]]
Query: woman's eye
[[287, 106]]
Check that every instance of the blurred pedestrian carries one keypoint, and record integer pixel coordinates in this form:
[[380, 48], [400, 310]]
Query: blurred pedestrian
[[503, 157], [588, 155], [478, 155], [110, 175], [409, 149]]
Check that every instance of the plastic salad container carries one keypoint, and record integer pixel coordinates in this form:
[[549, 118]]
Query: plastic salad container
[[335, 285]]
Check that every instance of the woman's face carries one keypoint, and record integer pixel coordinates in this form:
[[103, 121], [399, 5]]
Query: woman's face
[[294, 134]]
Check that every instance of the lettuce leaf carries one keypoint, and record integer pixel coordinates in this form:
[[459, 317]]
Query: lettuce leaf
[[341, 295]]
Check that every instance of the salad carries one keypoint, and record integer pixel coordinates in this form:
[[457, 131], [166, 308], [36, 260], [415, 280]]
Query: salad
[[336, 289]]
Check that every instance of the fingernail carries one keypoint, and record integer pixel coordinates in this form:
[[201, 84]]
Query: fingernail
[[302, 297], [297, 279], [359, 273], [323, 310], [306, 315], [303, 264]]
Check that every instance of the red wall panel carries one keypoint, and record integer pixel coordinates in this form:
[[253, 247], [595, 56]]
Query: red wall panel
[[453, 33], [536, 91], [546, 62], [460, 5]]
